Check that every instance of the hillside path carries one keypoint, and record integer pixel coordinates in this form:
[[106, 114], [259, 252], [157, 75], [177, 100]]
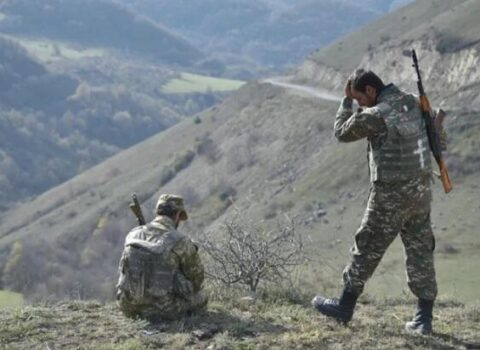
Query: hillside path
[[310, 90]]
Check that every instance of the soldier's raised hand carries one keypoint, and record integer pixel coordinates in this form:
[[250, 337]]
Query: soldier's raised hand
[[348, 89]]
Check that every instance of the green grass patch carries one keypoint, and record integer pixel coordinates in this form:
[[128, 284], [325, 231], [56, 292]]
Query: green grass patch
[[49, 50], [190, 83], [10, 299]]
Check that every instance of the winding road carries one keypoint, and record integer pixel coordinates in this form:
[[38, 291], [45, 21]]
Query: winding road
[[319, 93]]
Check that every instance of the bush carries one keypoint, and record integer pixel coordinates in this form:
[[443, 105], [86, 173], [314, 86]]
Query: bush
[[208, 149], [226, 193], [183, 161], [244, 253]]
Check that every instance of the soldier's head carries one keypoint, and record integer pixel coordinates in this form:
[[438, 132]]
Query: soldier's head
[[365, 86], [172, 206]]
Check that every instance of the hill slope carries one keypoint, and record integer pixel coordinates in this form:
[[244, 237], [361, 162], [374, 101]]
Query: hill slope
[[69, 99], [233, 325], [25, 80], [62, 123], [264, 151], [246, 151]]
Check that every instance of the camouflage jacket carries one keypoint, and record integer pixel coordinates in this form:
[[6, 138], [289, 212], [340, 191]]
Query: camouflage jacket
[[373, 123], [365, 123], [183, 256]]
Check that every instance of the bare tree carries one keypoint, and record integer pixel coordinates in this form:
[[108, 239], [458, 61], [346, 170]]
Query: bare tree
[[245, 253]]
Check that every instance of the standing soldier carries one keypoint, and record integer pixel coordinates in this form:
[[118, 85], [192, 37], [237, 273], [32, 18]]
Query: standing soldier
[[161, 274], [400, 194]]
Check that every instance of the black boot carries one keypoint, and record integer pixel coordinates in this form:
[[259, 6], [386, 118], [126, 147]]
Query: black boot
[[339, 309], [422, 321]]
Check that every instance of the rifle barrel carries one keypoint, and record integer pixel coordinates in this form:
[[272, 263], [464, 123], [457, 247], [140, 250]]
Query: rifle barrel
[[419, 76]]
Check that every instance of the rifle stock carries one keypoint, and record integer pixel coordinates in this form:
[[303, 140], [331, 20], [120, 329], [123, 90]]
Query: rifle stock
[[137, 210], [425, 104], [447, 184]]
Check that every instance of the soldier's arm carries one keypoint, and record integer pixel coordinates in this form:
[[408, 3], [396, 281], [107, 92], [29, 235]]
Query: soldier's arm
[[121, 270], [189, 262], [351, 126]]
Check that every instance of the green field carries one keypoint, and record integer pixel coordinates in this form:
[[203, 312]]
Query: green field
[[10, 299], [191, 83], [49, 50]]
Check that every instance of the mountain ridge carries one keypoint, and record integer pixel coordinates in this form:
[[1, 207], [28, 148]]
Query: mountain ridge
[[384, 45], [97, 23]]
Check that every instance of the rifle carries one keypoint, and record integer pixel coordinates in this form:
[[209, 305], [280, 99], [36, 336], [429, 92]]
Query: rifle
[[430, 123], [137, 210]]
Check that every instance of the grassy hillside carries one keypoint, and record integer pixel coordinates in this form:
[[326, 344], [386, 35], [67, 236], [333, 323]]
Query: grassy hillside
[[98, 24], [26, 81], [158, 165], [27, 84], [235, 325], [264, 151], [92, 94], [69, 120], [267, 150], [76, 103]]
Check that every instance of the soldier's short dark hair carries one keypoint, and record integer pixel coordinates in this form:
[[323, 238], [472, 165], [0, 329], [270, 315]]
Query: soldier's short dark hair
[[361, 78]]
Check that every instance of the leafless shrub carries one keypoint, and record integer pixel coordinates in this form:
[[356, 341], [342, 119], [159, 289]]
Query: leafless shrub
[[208, 149], [245, 253]]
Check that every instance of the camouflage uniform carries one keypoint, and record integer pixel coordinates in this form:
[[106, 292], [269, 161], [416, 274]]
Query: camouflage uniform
[[161, 274], [400, 194]]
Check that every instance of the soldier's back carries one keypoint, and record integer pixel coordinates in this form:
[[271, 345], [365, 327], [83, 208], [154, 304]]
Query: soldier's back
[[150, 273]]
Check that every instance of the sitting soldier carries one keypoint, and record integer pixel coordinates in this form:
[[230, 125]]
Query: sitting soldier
[[161, 273]]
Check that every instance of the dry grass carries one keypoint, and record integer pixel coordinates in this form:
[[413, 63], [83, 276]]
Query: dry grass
[[235, 325]]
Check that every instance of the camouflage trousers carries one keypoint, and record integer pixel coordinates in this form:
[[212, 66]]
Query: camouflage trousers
[[395, 208], [168, 308]]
